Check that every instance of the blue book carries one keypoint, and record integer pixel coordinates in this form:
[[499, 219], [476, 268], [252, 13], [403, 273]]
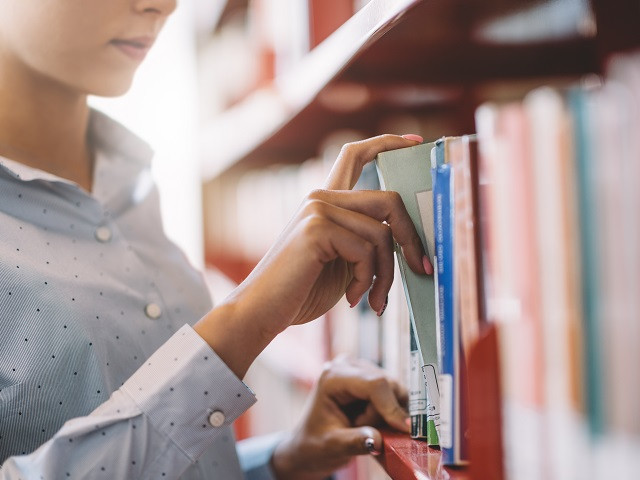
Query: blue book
[[451, 430]]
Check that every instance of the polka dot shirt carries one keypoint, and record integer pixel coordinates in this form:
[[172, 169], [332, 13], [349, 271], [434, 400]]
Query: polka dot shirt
[[98, 371]]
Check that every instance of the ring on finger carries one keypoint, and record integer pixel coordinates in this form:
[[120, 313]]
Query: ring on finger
[[369, 444]]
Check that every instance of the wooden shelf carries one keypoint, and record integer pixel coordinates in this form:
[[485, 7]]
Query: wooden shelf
[[407, 459], [398, 56]]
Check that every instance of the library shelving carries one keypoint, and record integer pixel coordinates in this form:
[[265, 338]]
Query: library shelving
[[400, 56], [428, 58], [432, 59]]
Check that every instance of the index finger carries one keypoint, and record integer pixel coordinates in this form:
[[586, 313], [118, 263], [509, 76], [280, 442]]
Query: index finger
[[384, 206], [349, 380], [354, 156], [382, 395]]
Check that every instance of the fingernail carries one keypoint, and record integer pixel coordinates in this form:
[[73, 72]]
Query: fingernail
[[407, 422], [369, 444], [414, 137], [356, 302], [384, 307], [426, 264]]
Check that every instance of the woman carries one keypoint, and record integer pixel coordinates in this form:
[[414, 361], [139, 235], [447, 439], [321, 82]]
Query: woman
[[99, 375]]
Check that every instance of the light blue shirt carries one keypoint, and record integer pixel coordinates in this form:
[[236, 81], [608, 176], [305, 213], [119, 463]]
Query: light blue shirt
[[99, 375]]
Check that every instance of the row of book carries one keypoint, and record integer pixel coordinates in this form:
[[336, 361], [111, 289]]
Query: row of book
[[533, 225]]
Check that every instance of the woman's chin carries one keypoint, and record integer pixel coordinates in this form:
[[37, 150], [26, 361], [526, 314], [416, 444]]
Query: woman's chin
[[111, 88], [106, 84]]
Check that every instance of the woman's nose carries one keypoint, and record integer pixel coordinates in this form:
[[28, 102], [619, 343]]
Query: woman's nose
[[162, 7]]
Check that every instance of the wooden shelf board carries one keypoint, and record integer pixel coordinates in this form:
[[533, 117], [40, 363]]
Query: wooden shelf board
[[407, 459]]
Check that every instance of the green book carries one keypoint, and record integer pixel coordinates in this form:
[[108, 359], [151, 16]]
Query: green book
[[408, 172], [586, 166]]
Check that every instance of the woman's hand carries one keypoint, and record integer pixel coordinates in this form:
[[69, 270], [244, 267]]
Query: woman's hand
[[349, 400], [339, 242]]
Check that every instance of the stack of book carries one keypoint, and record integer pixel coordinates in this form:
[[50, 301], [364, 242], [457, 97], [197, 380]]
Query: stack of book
[[533, 227]]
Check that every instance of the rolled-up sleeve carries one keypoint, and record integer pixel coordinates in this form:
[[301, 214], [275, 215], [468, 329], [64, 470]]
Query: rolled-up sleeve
[[156, 425]]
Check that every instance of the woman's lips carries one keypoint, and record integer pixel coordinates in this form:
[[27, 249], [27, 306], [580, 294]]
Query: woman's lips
[[135, 48]]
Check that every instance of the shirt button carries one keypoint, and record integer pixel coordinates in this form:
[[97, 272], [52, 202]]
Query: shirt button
[[216, 419], [103, 234], [153, 311]]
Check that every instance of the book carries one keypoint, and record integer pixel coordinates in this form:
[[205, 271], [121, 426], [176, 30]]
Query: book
[[407, 171], [579, 102], [613, 113], [555, 220], [447, 319], [512, 273], [622, 93], [463, 154]]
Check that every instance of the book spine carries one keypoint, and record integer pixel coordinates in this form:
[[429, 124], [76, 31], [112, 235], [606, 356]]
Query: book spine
[[593, 371], [444, 250]]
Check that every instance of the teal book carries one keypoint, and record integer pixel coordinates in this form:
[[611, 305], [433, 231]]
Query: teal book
[[408, 172], [590, 252]]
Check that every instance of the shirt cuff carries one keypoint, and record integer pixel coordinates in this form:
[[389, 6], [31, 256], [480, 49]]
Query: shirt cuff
[[188, 392]]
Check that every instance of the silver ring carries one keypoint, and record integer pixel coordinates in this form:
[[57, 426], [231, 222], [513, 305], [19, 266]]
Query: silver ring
[[369, 444]]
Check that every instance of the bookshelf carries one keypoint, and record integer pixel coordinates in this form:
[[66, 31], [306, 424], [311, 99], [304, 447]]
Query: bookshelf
[[395, 57], [435, 60], [399, 55]]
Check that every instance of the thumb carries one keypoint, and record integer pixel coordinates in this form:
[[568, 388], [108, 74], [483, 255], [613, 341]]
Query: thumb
[[355, 441], [354, 156]]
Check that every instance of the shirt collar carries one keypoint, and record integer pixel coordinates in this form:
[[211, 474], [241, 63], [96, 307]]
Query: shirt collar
[[116, 140]]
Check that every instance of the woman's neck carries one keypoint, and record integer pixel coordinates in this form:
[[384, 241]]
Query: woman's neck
[[44, 125]]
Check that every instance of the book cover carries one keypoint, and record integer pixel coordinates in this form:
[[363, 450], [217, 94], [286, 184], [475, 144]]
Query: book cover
[[407, 171]]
